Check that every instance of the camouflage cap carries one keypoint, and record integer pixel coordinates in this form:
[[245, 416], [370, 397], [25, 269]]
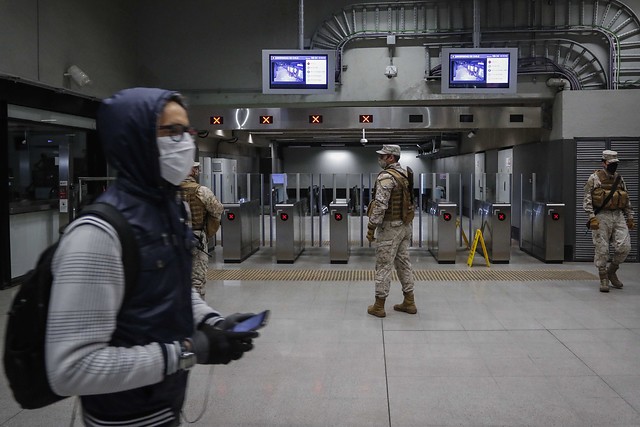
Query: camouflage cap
[[390, 149], [610, 156], [196, 164]]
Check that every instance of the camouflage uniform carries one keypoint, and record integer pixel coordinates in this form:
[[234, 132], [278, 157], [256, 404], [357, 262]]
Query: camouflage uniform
[[392, 237], [204, 202], [612, 229]]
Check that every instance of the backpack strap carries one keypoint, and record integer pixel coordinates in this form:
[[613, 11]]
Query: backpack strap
[[396, 174], [130, 252]]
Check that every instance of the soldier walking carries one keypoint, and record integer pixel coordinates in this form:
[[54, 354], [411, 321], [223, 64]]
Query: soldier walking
[[206, 212], [391, 213], [607, 203]]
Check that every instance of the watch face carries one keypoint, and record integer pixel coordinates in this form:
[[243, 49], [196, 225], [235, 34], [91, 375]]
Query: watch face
[[187, 360]]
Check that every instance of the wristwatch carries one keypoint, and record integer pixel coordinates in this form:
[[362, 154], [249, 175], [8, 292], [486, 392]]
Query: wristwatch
[[187, 358]]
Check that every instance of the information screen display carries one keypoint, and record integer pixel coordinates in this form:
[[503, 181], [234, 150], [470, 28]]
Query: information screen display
[[298, 72], [479, 70]]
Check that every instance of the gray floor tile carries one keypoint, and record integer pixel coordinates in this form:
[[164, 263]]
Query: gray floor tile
[[476, 354]]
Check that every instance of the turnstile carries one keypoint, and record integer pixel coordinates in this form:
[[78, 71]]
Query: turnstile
[[339, 233], [289, 231], [441, 232], [240, 230], [542, 230], [494, 219]]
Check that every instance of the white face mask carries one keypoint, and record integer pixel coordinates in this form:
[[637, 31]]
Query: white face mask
[[382, 163], [176, 158]]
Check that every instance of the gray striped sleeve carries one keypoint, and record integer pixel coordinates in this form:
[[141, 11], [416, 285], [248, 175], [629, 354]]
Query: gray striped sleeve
[[87, 292]]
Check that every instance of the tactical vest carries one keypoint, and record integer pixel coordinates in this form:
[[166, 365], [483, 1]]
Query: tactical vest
[[198, 210], [618, 200], [400, 207]]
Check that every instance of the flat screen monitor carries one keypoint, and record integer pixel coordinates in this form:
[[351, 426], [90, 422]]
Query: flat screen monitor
[[479, 70], [299, 72], [279, 179]]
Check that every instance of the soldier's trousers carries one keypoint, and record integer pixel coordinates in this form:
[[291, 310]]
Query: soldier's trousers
[[200, 264], [613, 229], [392, 250]]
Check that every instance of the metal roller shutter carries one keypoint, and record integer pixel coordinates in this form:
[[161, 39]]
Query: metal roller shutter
[[589, 155]]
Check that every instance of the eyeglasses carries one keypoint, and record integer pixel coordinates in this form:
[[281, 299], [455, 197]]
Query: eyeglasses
[[176, 132]]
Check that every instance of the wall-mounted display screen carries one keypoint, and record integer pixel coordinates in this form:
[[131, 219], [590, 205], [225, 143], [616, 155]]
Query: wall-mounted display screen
[[298, 71], [479, 70]]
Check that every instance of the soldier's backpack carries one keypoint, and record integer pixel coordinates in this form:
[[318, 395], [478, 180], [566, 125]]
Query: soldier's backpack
[[24, 349], [408, 204]]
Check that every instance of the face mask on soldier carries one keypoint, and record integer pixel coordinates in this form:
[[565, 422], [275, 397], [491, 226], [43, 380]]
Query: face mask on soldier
[[382, 162], [612, 167]]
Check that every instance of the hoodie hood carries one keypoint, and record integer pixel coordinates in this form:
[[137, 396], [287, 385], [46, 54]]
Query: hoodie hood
[[127, 124]]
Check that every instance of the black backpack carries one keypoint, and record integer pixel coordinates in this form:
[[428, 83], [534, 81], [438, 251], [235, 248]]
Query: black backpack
[[24, 349]]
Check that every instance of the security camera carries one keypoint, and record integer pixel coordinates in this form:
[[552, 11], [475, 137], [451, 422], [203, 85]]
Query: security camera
[[363, 141], [391, 71]]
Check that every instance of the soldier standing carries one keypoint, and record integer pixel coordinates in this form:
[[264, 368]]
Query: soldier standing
[[206, 211], [391, 214], [606, 201]]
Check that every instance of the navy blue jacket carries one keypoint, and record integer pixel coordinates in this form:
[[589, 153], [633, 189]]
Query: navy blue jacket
[[159, 309]]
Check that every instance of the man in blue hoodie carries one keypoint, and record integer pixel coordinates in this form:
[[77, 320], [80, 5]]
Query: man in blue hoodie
[[128, 358]]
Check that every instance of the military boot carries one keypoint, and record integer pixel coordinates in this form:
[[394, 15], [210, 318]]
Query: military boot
[[408, 304], [377, 309], [604, 279], [613, 277]]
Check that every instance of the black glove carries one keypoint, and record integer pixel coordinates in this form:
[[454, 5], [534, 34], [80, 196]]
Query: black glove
[[214, 346], [230, 321]]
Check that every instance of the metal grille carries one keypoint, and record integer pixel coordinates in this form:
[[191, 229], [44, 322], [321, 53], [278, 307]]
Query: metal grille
[[419, 275], [589, 156], [629, 169]]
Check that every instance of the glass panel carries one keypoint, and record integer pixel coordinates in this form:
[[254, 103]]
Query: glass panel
[[34, 161]]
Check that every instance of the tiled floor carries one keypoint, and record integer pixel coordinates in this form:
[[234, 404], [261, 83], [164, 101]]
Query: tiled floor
[[508, 353]]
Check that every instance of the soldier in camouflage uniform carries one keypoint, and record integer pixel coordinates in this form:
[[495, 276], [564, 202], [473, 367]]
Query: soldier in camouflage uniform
[[202, 204], [609, 225], [390, 217]]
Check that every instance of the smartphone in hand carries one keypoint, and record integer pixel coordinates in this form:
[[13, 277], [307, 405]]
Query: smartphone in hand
[[254, 322]]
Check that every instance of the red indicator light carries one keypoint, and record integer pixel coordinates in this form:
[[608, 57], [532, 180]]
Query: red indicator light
[[231, 216], [502, 216], [216, 120], [555, 216], [284, 216], [365, 118], [266, 120], [315, 119], [447, 216], [338, 216]]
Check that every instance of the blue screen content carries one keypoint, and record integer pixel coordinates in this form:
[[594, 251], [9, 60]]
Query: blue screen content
[[252, 323]]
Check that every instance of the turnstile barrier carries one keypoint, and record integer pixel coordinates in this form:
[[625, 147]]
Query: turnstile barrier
[[289, 231], [542, 230], [240, 230], [441, 237], [339, 233], [494, 219]]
